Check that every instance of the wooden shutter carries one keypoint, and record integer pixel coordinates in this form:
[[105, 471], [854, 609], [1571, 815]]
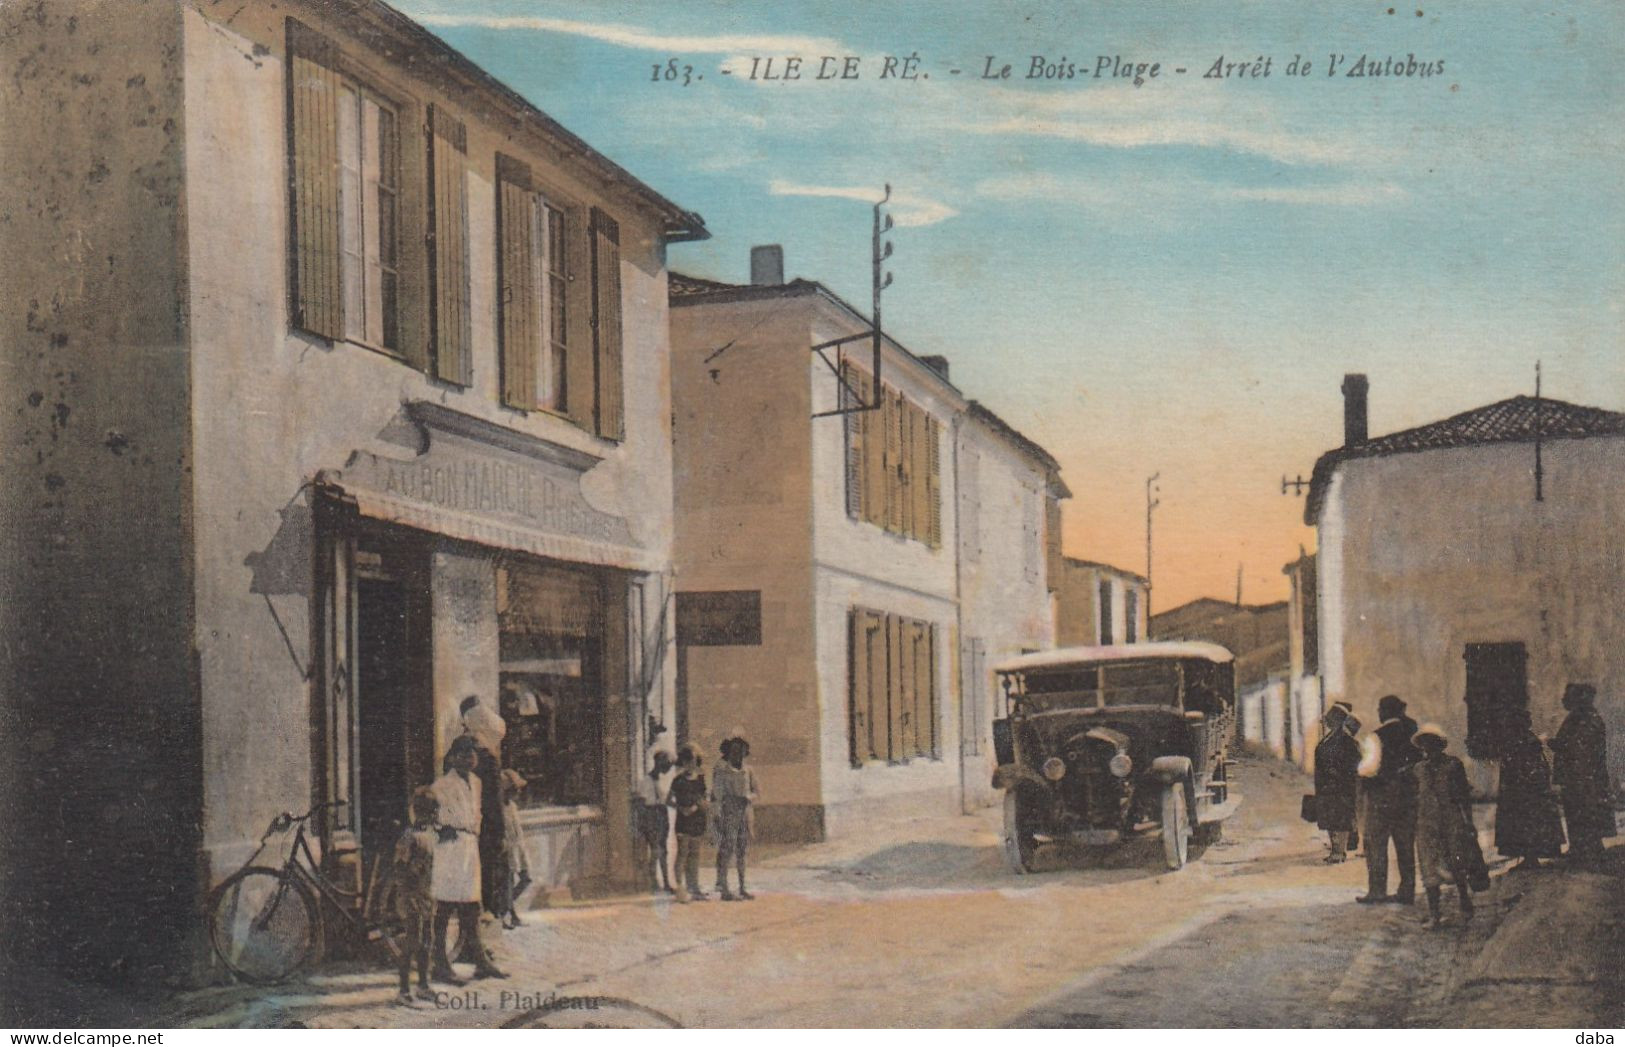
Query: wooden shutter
[[895, 490], [933, 482], [908, 688], [448, 247], [853, 432], [609, 415], [930, 739], [857, 689], [874, 451], [518, 308], [315, 299], [579, 363]]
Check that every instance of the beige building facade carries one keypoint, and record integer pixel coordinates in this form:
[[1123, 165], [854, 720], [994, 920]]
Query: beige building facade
[[819, 585], [1098, 604], [368, 359]]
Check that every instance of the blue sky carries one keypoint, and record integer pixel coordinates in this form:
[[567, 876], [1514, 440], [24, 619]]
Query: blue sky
[[1167, 277]]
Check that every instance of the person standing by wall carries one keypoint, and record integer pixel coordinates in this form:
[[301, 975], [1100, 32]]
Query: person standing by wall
[[486, 727], [1527, 823], [688, 797], [1390, 803], [733, 790], [1337, 762], [1581, 751]]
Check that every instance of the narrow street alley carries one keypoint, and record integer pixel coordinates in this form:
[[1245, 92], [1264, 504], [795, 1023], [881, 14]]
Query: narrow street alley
[[926, 927]]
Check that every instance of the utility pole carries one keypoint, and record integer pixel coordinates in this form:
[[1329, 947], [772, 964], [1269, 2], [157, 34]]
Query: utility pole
[[1540, 493], [1151, 502], [1238, 585]]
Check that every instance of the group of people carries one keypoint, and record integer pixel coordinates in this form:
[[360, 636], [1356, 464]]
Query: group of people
[[1397, 785], [462, 850], [725, 809]]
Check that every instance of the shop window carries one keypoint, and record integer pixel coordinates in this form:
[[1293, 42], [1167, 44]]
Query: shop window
[[552, 695]]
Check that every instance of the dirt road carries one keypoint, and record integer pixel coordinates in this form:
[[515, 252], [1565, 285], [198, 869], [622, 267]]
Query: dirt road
[[924, 926]]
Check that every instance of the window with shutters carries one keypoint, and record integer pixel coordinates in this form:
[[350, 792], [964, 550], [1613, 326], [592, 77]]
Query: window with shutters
[[892, 701], [893, 461], [351, 229]]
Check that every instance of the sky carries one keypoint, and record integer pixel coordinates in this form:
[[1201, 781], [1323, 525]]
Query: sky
[[1164, 278]]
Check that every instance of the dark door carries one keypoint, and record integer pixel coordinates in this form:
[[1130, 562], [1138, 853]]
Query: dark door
[[1497, 693], [383, 710]]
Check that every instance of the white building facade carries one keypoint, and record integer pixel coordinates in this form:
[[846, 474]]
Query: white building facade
[[1456, 572]]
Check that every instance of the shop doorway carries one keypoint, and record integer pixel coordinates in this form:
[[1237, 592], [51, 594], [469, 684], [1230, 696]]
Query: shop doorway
[[394, 722]]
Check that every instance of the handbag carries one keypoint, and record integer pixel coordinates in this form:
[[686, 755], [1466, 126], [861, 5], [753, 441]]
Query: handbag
[[1309, 810]]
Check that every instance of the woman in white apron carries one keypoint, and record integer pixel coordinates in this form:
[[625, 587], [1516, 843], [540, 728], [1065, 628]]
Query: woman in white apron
[[456, 879]]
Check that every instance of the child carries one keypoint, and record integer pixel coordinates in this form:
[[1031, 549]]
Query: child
[[414, 893], [733, 789], [518, 861], [1446, 842], [655, 822], [688, 796]]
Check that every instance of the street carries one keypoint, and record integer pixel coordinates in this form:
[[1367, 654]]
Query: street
[[932, 930]]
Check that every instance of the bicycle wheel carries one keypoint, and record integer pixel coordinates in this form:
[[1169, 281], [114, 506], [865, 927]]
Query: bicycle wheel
[[263, 924]]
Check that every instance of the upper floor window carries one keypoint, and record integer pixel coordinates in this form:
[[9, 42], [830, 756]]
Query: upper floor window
[[558, 267], [369, 160], [375, 208], [893, 461], [1105, 618]]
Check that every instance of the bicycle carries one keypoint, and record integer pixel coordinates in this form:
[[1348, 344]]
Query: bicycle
[[265, 923]]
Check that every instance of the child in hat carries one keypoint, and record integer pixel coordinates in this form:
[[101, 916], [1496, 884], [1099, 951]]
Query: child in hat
[[688, 797], [513, 783], [414, 893]]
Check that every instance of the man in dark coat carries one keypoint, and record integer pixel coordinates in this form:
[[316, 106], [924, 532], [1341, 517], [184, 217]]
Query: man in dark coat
[[1337, 762], [1581, 749], [1390, 803], [1527, 824]]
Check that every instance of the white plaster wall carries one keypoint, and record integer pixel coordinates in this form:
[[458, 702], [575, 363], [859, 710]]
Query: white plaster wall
[[1000, 604], [881, 790], [1424, 553], [272, 407], [465, 636], [860, 565]]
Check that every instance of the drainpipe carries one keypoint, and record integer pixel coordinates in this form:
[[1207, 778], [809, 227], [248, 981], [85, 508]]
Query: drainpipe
[[959, 615]]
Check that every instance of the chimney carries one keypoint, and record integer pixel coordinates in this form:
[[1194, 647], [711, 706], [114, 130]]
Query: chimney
[[1354, 427], [767, 265], [938, 364]]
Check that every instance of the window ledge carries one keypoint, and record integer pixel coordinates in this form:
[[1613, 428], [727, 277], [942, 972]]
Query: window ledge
[[548, 817]]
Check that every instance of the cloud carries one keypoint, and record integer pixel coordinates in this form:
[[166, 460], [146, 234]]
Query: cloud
[[643, 39], [1347, 194], [1120, 117], [1158, 196], [907, 209]]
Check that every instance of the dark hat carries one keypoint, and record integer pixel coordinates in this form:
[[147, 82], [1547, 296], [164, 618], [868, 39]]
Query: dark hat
[[461, 744], [1578, 694], [424, 802], [1390, 706]]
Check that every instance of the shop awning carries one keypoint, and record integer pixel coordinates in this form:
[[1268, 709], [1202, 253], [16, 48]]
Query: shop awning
[[496, 534]]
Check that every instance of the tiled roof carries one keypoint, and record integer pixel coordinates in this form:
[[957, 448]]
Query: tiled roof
[[1520, 419], [680, 287]]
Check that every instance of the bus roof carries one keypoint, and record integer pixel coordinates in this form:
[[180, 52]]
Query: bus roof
[[1068, 657]]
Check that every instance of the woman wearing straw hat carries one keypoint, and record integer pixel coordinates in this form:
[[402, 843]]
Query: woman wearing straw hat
[[1445, 837]]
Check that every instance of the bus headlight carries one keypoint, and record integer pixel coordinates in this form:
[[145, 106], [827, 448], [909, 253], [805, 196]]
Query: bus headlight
[[1120, 765], [1054, 768]]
